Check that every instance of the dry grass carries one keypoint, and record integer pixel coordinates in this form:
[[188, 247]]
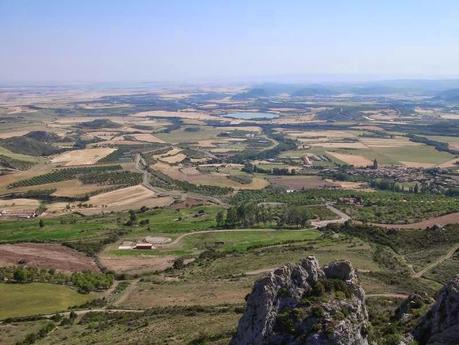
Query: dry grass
[[173, 159], [147, 137], [449, 164], [129, 197], [393, 142], [82, 157], [188, 293], [137, 264], [16, 204], [355, 160], [417, 164], [118, 200], [342, 145]]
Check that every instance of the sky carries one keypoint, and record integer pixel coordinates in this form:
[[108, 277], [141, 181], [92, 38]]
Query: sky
[[212, 40]]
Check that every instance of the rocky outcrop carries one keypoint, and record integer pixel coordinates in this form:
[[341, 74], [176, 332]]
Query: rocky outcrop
[[440, 326], [304, 304]]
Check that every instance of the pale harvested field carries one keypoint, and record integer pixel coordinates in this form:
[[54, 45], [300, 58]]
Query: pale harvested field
[[354, 145], [450, 116], [64, 188], [129, 197], [114, 142], [83, 157], [171, 152], [300, 182], [328, 134], [46, 256], [147, 137], [19, 203], [449, 164], [11, 134], [255, 129], [355, 160], [393, 142], [352, 185], [118, 200], [417, 164], [137, 264], [369, 128], [181, 114], [173, 159], [207, 143]]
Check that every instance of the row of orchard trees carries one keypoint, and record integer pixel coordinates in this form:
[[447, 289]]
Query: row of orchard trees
[[253, 214]]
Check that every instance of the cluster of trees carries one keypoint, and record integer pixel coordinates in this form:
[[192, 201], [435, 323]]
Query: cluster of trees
[[252, 168], [377, 207], [389, 184], [440, 146], [252, 214], [83, 281], [125, 178]]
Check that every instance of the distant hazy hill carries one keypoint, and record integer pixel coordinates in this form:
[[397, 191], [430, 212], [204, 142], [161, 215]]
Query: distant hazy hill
[[251, 93], [37, 143], [312, 91], [448, 95], [99, 123]]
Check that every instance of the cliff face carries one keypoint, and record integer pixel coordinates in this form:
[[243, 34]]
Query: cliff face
[[440, 326], [304, 304]]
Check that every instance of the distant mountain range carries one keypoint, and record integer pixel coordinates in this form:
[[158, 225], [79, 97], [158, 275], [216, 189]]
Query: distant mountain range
[[447, 90]]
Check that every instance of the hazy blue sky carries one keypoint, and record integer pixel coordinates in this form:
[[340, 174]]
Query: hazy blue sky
[[109, 40]]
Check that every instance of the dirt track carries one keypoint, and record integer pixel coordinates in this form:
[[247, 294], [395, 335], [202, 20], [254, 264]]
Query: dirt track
[[46, 256], [452, 218], [437, 262]]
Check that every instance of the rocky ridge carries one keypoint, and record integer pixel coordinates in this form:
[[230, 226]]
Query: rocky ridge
[[440, 326], [305, 304]]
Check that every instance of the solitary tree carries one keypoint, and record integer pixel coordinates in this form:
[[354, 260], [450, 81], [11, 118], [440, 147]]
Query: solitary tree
[[220, 219], [41, 223]]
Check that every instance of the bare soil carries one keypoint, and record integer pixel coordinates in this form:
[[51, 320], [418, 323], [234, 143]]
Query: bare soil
[[46, 256]]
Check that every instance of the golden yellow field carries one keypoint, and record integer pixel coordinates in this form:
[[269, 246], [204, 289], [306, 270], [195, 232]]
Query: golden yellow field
[[355, 160], [82, 157]]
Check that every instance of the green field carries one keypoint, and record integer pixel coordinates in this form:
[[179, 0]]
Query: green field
[[71, 228], [227, 241], [444, 139], [183, 136], [395, 155], [37, 298], [56, 229], [21, 157]]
